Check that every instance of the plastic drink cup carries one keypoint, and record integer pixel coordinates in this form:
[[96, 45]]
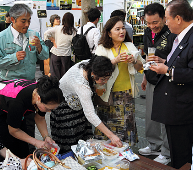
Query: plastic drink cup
[[31, 37], [124, 165], [151, 51], [100, 89]]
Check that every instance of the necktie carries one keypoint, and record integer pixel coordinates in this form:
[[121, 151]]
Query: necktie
[[20, 39], [175, 44]]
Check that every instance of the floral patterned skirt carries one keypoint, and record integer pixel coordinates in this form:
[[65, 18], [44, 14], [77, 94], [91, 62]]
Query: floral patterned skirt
[[119, 118]]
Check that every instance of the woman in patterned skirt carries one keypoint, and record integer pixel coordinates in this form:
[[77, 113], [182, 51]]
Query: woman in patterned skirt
[[72, 120], [119, 117]]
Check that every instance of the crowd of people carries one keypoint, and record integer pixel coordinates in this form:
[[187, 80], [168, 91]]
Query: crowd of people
[[69, 91]]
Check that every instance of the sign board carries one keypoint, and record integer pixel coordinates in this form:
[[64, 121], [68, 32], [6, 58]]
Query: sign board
[[133, 11], [3, 11]]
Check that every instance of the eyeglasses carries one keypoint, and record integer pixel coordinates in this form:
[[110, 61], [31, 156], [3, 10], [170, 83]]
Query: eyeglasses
[[102, 79]]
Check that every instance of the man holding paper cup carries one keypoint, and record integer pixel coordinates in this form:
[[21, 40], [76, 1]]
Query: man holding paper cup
[[157, 45], [18, 57]]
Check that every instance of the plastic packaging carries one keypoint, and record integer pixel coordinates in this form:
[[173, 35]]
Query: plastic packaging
[[130, 155], [109, 153], [96, 164], [54, 148], [118, 149]]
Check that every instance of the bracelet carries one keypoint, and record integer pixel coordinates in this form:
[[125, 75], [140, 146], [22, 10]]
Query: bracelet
[[46, 137]]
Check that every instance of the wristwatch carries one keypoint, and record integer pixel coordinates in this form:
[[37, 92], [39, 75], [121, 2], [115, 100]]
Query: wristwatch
[[168, 72]]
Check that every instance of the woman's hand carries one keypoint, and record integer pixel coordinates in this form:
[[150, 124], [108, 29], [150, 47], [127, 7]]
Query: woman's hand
[[120, 58], [40, 144], [116, 141], [130, 59]]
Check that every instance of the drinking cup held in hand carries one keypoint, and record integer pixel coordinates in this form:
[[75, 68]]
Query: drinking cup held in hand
[[31, 37], [151, 51], [100, 89]]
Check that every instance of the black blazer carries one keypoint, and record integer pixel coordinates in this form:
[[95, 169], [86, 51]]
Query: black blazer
[[173, 100]]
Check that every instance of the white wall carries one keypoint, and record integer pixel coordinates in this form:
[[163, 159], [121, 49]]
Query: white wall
[[109, 6]]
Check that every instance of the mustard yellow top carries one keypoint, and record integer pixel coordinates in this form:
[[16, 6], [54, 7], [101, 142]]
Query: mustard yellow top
[[122, 82]]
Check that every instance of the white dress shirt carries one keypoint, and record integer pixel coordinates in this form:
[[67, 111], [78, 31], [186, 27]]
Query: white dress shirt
[[92, 37]]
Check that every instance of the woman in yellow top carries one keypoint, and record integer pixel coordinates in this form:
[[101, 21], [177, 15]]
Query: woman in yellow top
[[116, 44]]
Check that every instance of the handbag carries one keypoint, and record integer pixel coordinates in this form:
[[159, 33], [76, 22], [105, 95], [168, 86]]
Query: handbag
[[65, 164], [10, 163]]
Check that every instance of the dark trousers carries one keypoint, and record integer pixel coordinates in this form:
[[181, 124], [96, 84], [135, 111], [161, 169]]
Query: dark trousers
[[59, 65], [18, 147], [180, 138]]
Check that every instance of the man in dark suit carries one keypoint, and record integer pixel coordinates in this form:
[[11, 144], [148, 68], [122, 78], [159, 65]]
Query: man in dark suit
[[173, 94]]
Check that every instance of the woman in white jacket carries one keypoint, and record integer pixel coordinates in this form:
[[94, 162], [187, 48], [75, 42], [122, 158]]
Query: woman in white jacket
[[117, 46]]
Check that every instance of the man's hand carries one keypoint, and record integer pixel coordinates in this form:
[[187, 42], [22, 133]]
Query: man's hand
[[160, 68], [20, 55], [37, 43], [144, 83], [156, 59]]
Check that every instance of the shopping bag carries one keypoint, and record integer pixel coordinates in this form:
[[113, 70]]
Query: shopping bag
[[10, 163]]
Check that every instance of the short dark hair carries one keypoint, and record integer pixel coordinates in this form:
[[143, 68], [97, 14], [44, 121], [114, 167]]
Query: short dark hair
[[119, 13], [48, 90], [105, 40], [100, 66], [93, 14], [155, 8], [181, 8], [53, 17], [7, 14]]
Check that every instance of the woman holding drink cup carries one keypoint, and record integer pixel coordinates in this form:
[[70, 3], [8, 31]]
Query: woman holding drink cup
[[117, 46]]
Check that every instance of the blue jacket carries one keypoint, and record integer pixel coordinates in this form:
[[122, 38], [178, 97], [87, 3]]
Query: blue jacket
[[10, 67]]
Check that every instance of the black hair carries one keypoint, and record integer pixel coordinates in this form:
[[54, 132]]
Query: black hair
[[100, 66], [119, 13], [181, 8], [93, 14], [48, 90], [7, 14], [153, 9], [105, 40]]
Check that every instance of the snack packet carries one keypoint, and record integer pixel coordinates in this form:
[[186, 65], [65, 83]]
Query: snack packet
[[130, 155]]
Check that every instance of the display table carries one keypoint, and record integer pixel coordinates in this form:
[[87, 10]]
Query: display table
[[146, 164]]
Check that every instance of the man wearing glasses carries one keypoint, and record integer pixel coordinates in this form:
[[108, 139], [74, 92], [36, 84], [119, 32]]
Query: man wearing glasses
[[156, 35]]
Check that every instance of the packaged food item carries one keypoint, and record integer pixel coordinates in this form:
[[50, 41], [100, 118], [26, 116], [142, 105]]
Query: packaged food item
[[109, 144], [87, 151], [93, 166], [109, 153], [54, 149], [108, 168], [130, 155]]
